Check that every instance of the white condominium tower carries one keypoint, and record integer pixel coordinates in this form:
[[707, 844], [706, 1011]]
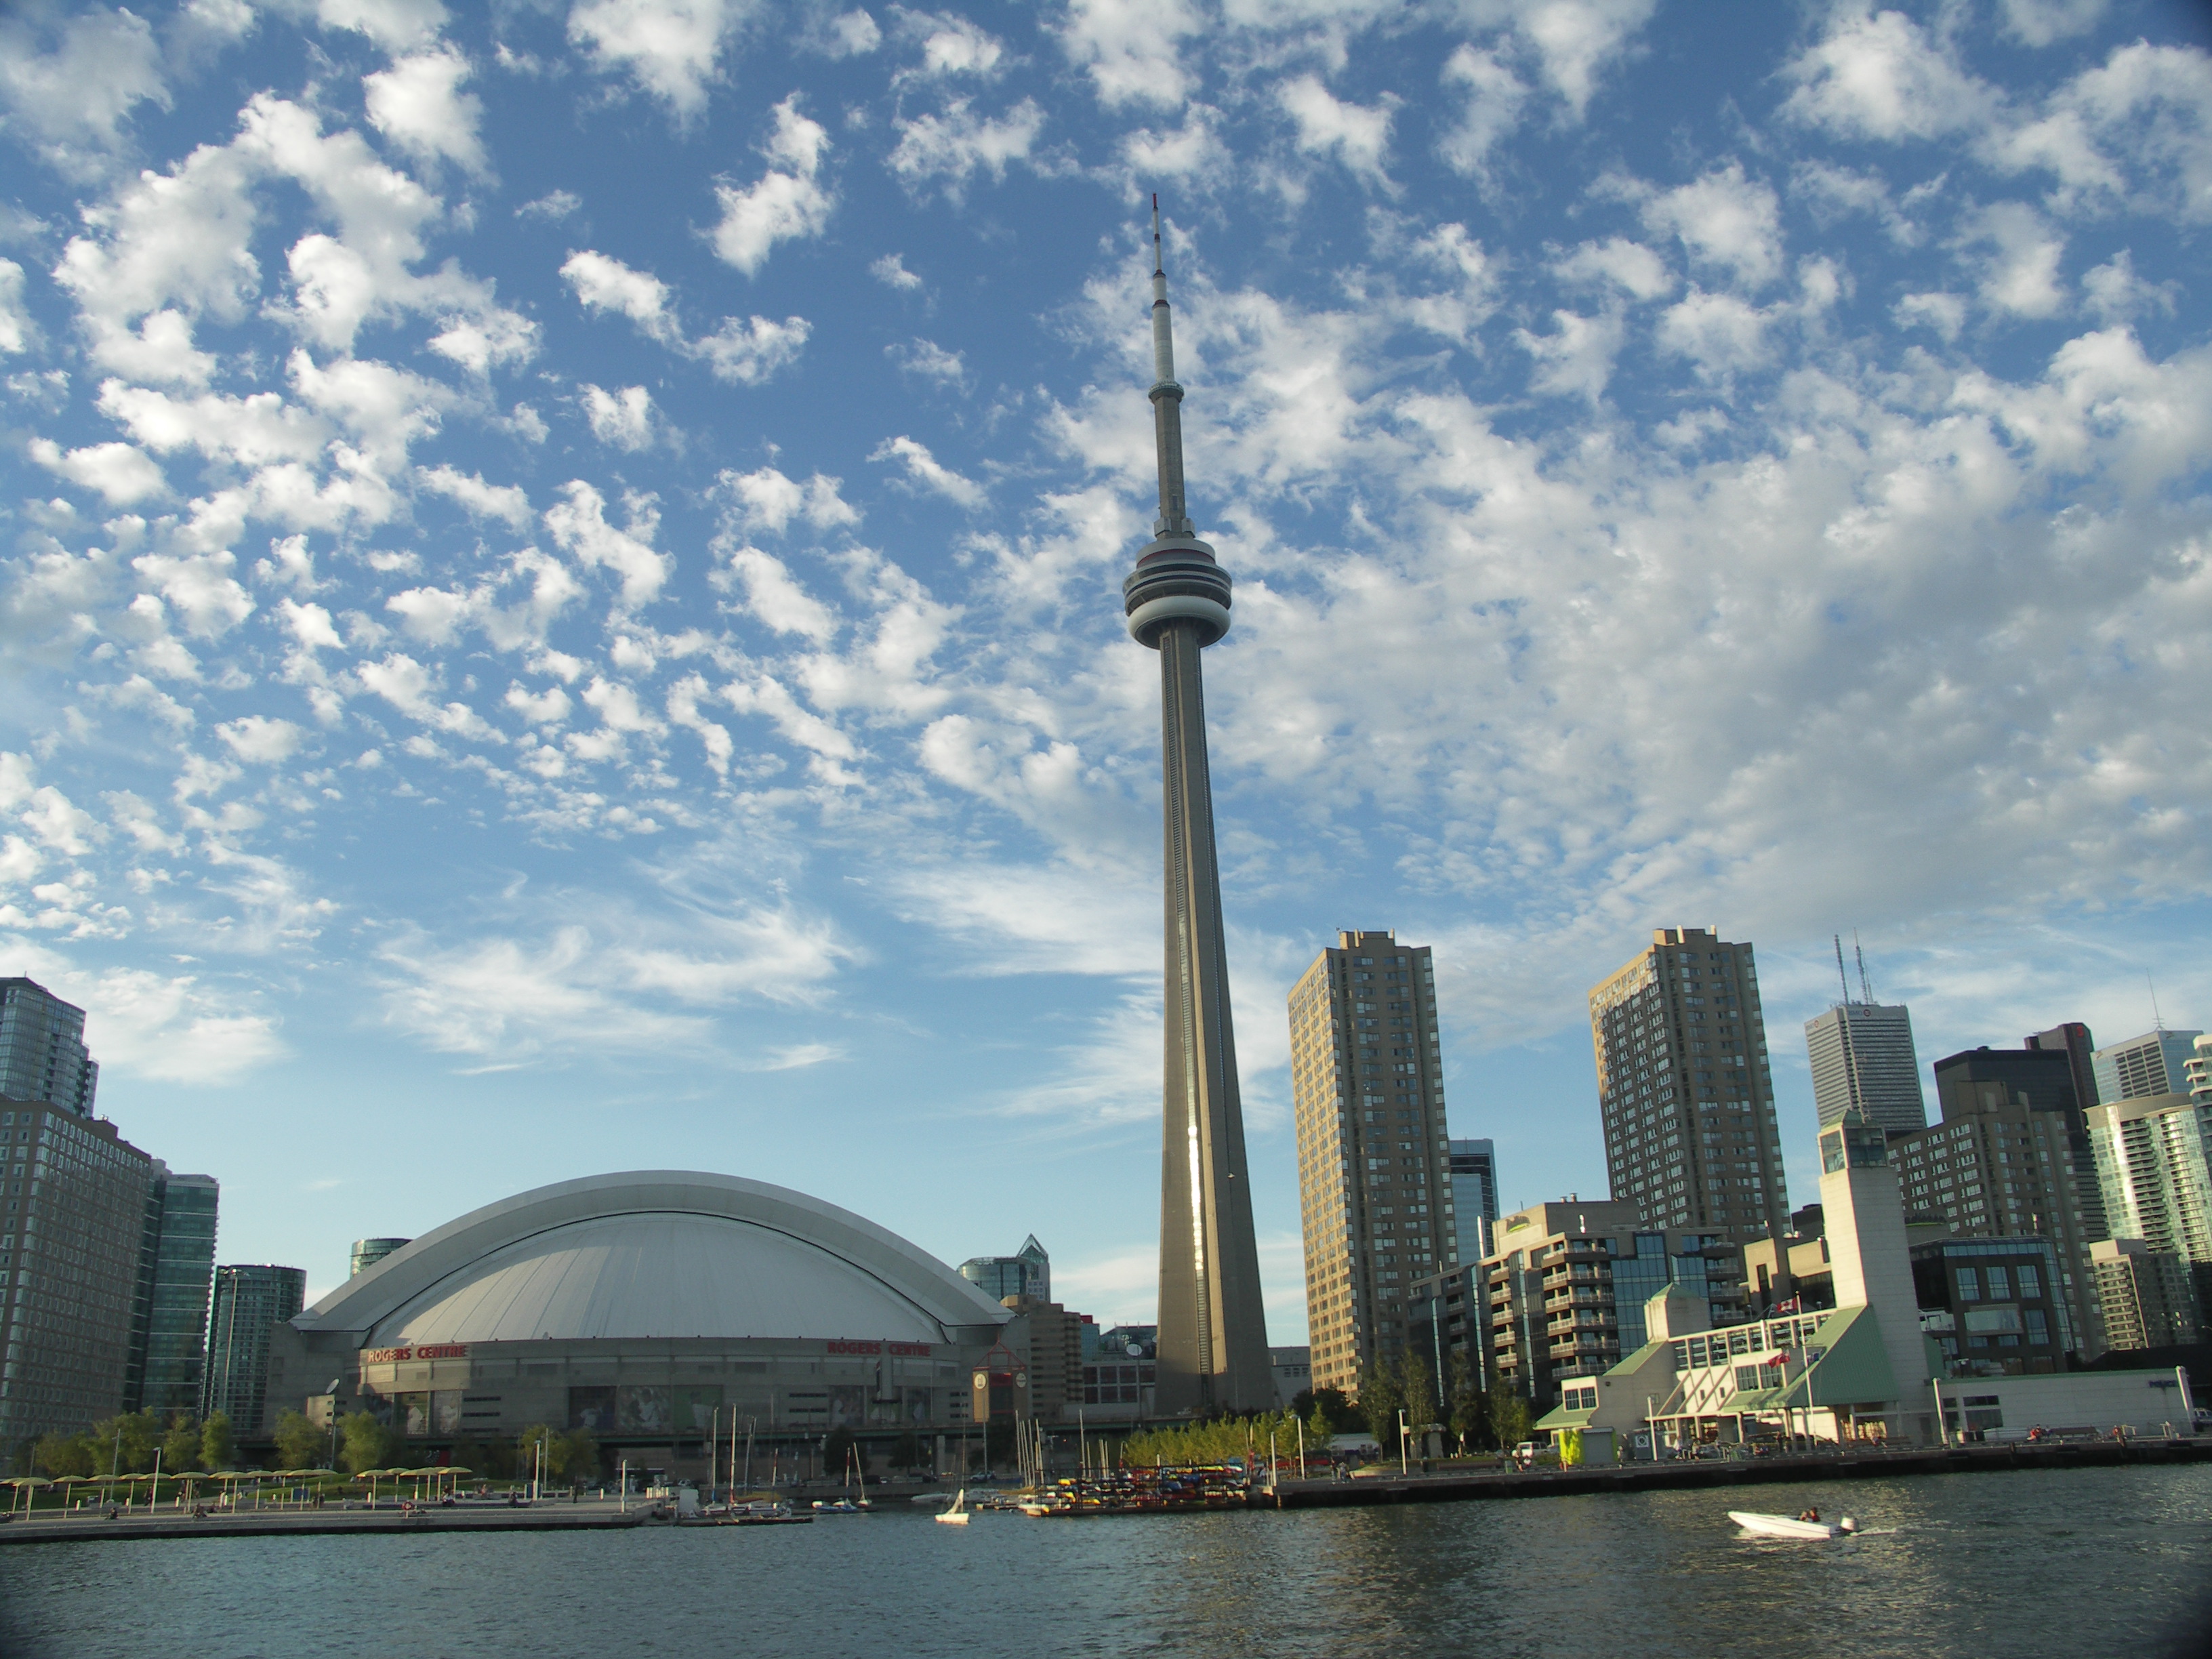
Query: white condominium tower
[[1375, 1185], [1684, 1090]]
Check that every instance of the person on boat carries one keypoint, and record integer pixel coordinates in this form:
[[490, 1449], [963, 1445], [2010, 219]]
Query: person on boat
[[1812, 1515]]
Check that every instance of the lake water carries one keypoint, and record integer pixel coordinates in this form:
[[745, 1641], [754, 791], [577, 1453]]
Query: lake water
[[2085, 1564]]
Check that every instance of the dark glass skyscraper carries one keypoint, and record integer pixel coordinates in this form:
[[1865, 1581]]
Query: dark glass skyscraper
[[248, 1301], [1214, 1335], [169, 1313]]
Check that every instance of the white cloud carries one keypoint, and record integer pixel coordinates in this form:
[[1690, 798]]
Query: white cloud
[[1357, 135], [16, 326], [774, 596], [926, 471], [2116, 295], [1727, 220], [890, 271], [928, 359], [171, 1028], [1132, 50], [2040, 23], [1576, 40], [1576, 358], [670, 48], [261, 741], [121, 473], [73, 97], [851, 34], [1495, 96], [956, 144], [1718, 332], [605, 284], [623, 418], [748, 353], [200, 586], [395, 25], [1196, 151], [508, 503], [767, 500], [951, 45], [787, 202], [581, 528], [1880, 75], [1946, 314], [551, 208], [419, 106], [2016, 255], [492, 336], [1632, 268]]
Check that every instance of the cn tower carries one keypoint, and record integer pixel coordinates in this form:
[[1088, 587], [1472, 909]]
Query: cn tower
[[1213, 1333]]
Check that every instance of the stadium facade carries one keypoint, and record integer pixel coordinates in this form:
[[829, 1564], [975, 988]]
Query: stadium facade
[[653, 1309]]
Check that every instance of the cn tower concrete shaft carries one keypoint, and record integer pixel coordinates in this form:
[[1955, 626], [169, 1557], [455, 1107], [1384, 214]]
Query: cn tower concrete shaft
[[1213, 1335]]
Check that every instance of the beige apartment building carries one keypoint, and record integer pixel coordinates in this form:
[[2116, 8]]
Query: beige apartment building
[[1374, 1171], [1684, 1090]]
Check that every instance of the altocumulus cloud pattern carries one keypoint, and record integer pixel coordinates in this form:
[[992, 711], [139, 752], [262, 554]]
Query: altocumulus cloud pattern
[[570, 553]]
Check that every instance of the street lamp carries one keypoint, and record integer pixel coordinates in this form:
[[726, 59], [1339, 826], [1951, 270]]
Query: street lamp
[[1401, 1442], [333, 1392]]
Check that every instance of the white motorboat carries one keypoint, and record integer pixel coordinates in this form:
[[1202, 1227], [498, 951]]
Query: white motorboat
[[956, 1515], [1784, 1526]]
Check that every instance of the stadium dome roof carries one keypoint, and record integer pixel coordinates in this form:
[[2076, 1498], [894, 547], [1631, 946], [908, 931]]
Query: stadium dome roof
[[654, 1253]]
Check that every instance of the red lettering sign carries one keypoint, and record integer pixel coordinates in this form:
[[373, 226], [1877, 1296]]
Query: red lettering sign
[[917, 1348], [853, 1347], [398, 1356]]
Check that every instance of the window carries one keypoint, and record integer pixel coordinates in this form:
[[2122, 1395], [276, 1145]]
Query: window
[[2039, 1327], [1970, 1286], [2000, 1284], [2031, 1285]]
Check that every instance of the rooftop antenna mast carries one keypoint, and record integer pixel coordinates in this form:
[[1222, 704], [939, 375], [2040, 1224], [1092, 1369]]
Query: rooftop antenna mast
[[2157, 1019], [1866, 991], [1842, 978]]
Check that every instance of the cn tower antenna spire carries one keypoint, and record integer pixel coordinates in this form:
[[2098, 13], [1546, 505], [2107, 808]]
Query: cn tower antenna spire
[[1213, 1349]]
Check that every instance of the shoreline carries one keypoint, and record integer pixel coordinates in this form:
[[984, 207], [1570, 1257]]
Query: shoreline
[[602, 1516]]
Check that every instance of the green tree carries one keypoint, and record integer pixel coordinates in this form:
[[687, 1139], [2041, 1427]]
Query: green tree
[[836, 1450], [1470, 1412], [300, 1444], [180, 1444], [125, 1444], [575, 1456], [526, 1463], [1508, 1417], [1419, 1382], [907, 1452], [218, 1446], [1343, 1416], [366, 1443], [1382, 1395], [57, 1455]]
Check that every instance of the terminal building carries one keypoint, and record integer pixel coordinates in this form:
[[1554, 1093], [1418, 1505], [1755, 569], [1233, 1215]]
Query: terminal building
[[654, 1309]]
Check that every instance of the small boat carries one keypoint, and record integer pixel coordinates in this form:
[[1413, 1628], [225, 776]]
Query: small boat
[[1785, 1526], [839, 1506], [956, 1515]]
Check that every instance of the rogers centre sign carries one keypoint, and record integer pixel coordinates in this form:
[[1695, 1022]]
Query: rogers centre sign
[[395, 1356], [919, 1350]]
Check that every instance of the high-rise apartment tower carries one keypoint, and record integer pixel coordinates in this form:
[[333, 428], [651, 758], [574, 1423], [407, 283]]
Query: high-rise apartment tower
[[1684, 1089], [42, 1052], [1375, 1185], [2154, 1166], [1214, 1330]]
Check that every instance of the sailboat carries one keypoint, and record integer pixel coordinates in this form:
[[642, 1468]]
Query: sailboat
[[956, 1514]]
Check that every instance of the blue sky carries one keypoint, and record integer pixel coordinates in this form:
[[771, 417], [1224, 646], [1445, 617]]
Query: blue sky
[[558, 587]]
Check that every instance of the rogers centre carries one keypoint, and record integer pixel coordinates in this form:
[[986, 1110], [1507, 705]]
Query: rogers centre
[[648, 1307]]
